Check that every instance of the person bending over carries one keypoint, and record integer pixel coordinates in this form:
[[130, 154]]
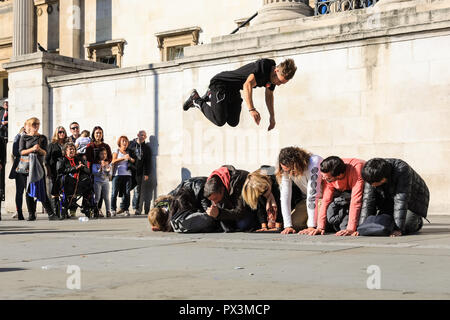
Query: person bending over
[[342, 196], [222, 102], [261, 192], [303, 168], [224, 190], [393, 187], [184, 209]]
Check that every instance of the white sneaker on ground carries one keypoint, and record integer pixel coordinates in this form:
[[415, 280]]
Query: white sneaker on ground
[[127, 213], [15, 215]]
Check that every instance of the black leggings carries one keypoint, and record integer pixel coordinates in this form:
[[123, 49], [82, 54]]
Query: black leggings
[[225, 107]]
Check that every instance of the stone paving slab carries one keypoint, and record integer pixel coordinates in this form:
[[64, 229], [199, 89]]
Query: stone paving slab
[[121, 258]]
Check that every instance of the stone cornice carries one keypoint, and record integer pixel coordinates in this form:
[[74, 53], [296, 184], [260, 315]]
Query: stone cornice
[[37, 59]]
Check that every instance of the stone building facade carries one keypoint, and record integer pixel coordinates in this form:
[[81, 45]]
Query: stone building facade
[[371, 82]]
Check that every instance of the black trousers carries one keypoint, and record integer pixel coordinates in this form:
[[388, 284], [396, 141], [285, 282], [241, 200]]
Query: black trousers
[[224, 107], [20, 188], [338, 212]]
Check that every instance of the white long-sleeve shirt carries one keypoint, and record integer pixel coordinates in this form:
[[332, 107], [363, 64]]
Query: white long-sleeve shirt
[[310, 184]]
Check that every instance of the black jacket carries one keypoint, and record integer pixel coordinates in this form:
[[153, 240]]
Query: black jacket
[[54, 152], [232, 208], [143, 156], [16, 156], [404, 190], [195, 185], [64, 167]]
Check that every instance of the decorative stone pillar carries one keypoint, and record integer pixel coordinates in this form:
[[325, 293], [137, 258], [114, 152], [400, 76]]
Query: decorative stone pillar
[[70, 15], [47, 12], [23, 42], [280, 10]]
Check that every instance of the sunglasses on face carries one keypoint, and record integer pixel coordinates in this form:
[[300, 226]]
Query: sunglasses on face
[[74, 128], [61, 132]]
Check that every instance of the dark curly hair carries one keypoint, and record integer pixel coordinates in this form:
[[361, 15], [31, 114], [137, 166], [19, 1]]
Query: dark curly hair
[[297, 159]]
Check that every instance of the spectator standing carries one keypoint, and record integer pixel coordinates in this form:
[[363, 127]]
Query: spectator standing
[[75, 129], [4, 121], [101, 170], [122, 175], [143, 165], [54, 153], [34, 145]]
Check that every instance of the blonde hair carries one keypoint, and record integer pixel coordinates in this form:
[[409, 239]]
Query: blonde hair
[[287, 68], [32, 121], [55, 138], [256, 184]]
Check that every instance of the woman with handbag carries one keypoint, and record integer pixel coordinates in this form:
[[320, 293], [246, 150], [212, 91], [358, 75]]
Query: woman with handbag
[[54, 153], [122, 181], [33, 143]]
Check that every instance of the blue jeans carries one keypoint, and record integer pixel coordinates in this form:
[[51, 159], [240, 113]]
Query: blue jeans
[[121, 183]]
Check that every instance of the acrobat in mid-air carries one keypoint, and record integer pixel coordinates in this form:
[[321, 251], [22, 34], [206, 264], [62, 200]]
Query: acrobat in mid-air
[[222, 102]]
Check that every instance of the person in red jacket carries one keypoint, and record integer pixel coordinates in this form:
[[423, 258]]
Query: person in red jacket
[[342, 196]]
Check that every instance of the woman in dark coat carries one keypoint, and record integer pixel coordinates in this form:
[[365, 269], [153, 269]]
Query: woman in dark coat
[[54, 153], [33, 142]]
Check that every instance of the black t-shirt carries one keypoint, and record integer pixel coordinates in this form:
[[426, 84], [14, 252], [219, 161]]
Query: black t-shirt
[[235, 79]]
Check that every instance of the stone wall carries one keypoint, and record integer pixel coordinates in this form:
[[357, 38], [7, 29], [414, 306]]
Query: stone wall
[[369, 84]]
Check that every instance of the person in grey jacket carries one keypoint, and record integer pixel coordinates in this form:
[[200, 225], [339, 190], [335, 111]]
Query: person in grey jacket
[[393, 187]]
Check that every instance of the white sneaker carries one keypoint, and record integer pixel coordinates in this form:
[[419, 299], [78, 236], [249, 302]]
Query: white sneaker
[[127, 213], [15, 215], [114, 213]]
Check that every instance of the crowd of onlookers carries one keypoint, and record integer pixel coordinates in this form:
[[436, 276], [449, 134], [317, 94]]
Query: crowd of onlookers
[[70, 172]]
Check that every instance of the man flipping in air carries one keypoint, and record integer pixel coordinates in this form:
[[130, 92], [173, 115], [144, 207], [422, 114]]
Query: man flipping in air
[[222, 102]]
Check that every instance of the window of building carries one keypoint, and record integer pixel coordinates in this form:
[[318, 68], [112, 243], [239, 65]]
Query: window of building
[[172, 43], [110, 52]]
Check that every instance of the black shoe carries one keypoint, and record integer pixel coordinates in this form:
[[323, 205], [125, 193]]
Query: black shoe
[[207, 96], [31, 217], [190, 101], [20, 215], [53, 217]]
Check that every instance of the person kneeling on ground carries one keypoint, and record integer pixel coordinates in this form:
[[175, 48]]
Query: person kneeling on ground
[[393, 187], [342, 196], [184, 209], [261, 192], [224, 189]]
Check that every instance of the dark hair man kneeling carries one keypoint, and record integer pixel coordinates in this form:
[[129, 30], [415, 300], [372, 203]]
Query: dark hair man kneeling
[[393, 187], [342, 196], [224, 189]]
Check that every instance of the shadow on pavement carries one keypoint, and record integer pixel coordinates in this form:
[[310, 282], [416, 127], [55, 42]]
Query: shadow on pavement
[[11, 269]]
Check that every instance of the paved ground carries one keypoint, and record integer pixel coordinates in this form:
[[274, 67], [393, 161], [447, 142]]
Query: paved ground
[[120, 258]]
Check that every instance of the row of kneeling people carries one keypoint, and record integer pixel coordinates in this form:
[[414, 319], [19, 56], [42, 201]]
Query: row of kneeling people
[[304, 194]]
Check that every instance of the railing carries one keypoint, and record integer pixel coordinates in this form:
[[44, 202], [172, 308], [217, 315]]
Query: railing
[[327, 6]]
